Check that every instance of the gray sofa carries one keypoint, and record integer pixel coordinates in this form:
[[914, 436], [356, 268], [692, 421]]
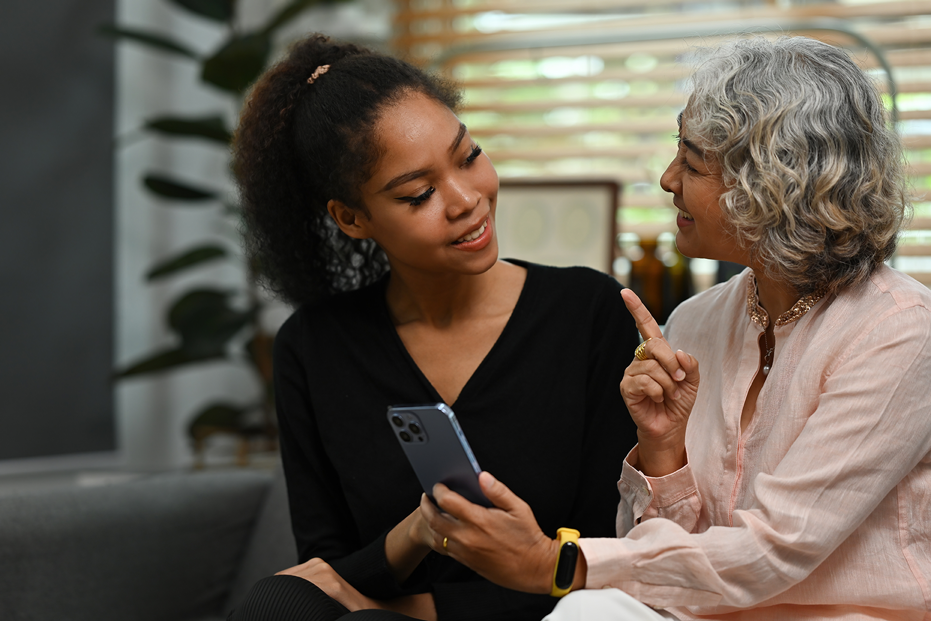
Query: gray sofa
[[168, 547]]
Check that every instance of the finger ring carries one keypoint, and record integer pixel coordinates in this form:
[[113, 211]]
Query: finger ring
[[445, 542], [641, 351]]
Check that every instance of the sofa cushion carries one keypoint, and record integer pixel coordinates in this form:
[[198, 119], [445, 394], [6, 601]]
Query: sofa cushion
[[161, 548], [271, 547]]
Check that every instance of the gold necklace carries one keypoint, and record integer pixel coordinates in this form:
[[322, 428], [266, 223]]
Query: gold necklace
[[759, 316]]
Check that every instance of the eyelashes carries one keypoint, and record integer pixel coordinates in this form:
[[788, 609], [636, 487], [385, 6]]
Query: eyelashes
[[476, 151], [417, 200], [414, 201], [685, 161]]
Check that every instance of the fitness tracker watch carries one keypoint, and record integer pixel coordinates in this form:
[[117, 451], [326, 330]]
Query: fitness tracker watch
[[568, 555]]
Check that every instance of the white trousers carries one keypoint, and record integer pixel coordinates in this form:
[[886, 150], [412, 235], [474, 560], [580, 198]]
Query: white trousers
[[604, 605]]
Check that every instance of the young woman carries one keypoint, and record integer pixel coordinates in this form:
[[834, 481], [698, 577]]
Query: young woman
[[371, 209]]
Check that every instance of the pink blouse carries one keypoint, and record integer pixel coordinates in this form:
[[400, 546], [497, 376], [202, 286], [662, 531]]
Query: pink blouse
[[821, 509]]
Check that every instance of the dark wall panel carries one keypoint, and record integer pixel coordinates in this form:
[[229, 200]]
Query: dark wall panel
[[56, 229]]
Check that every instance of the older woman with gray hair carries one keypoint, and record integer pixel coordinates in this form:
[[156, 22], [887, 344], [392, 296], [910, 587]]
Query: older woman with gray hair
[[792, 480]]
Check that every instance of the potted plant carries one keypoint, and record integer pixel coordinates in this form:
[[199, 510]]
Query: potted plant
[[208, 323]]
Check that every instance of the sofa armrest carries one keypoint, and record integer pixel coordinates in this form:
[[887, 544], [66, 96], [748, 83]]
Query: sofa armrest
[[161, 548], [271, 546]]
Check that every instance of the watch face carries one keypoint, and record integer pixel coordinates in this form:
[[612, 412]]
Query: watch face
[[565, 567]]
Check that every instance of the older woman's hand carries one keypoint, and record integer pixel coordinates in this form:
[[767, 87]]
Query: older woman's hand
[[659, 392]]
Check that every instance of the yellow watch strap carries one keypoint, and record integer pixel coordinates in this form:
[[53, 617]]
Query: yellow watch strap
[[564, 571]]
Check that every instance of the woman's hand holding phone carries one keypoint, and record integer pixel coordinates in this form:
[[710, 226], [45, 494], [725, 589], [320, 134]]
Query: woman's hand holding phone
[[479, 523], [503, 544]]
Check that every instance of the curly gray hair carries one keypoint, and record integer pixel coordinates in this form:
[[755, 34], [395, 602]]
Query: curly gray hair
[[814, 177]]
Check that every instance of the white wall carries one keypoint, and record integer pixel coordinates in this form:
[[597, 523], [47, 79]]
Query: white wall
[[153, 411]]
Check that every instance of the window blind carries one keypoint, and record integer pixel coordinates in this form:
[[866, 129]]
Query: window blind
[[591, 89]]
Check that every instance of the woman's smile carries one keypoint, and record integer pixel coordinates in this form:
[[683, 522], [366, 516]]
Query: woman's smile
[[470, 240], [684, 219]]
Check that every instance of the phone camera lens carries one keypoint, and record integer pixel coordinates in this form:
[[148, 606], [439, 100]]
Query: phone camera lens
[[397, 420], [414, 427], [405, 436]]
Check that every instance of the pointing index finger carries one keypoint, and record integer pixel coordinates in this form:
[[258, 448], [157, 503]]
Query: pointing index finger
[[649, 329], [647, 326]]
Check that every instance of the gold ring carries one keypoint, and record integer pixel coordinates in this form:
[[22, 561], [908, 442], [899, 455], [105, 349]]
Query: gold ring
[[641, 351], [445, 542]]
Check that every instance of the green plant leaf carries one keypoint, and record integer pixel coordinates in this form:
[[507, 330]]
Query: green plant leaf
[[176, 190], [206, 321], [238, 63], [209, 127], [217, 10], [146, 38], [188, 258], [192, 307], [164, 360], [289, 12]]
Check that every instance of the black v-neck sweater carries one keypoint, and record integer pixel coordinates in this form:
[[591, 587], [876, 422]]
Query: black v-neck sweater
[[542, 412]]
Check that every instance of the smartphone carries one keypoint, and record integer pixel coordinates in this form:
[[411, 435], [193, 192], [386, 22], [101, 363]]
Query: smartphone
[[437, 449]]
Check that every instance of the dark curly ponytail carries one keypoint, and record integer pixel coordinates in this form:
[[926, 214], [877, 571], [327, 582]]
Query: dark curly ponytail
[[302, 144]]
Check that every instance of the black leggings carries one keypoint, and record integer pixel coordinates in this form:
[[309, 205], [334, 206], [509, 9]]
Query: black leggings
[[290, 598]]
